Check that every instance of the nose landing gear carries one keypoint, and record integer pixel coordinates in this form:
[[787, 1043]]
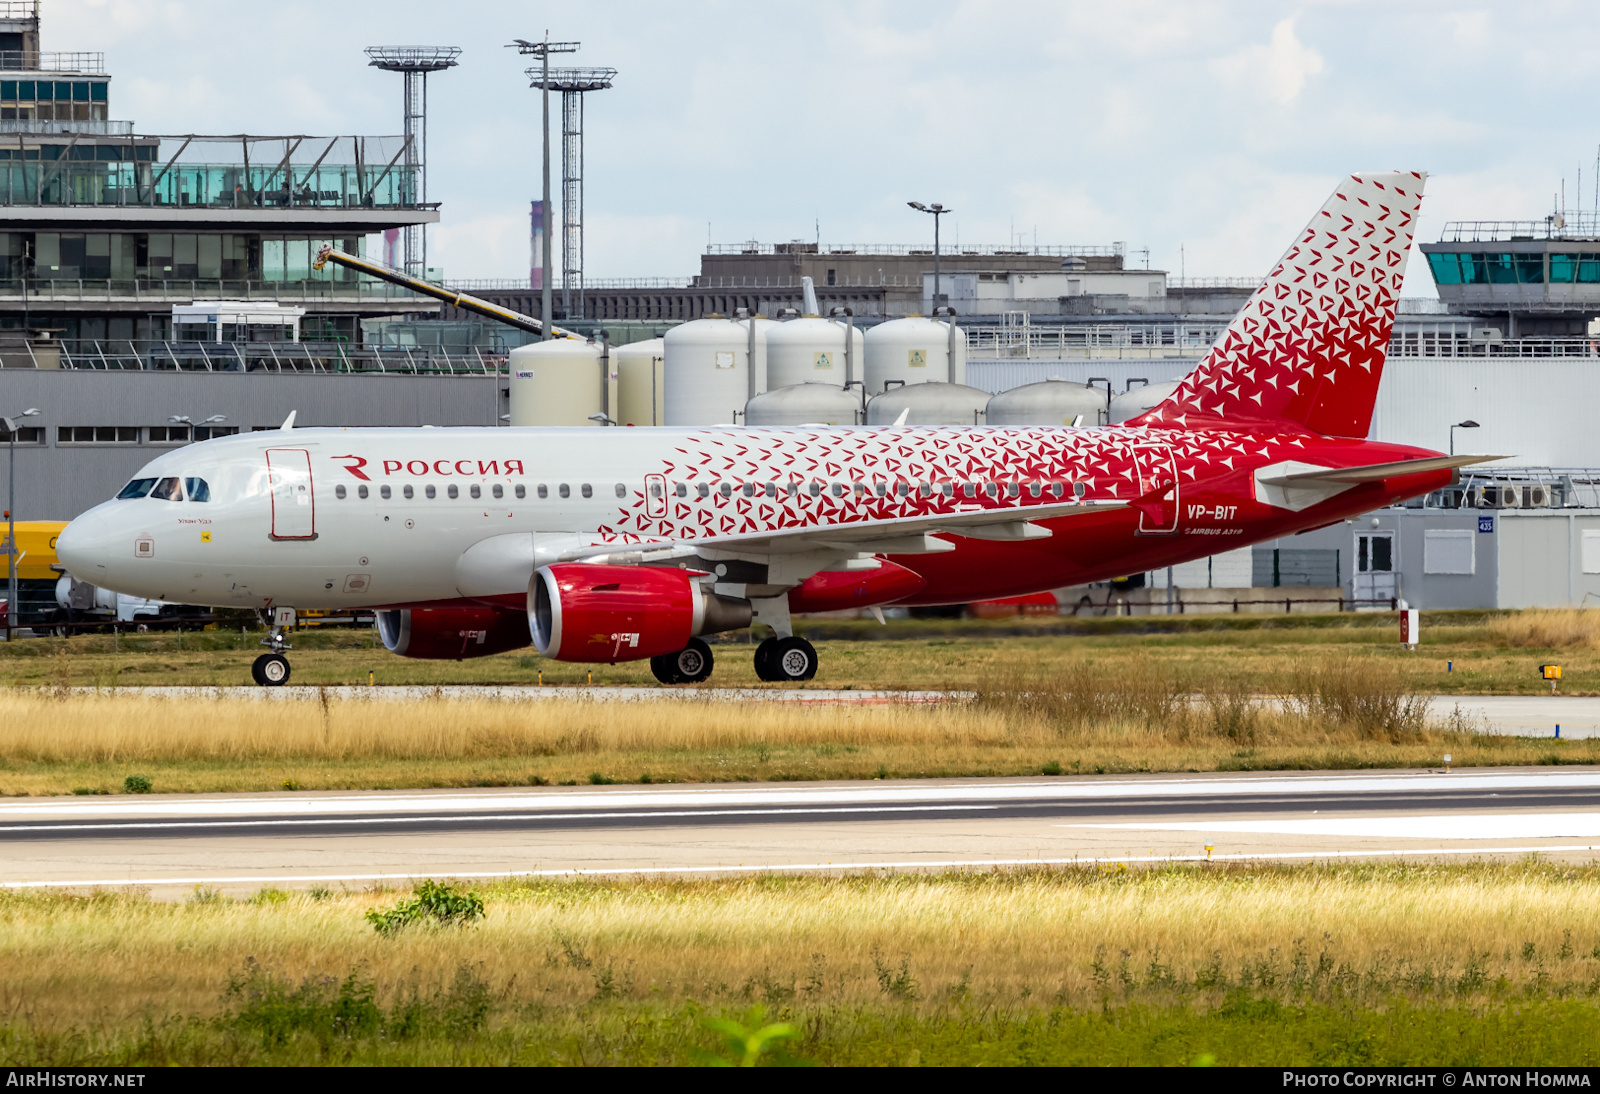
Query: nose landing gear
[[271, 670]]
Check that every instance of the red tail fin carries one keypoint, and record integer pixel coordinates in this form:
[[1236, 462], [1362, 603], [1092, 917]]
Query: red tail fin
[[1308, 348]]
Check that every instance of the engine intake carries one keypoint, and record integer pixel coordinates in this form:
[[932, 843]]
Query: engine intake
[[580, 611], [451, 634]]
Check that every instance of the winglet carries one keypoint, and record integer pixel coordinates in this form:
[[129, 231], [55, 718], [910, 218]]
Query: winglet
[[904, 414], [288, 423]]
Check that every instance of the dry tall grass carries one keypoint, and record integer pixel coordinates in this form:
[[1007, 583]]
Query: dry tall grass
[[1548, 628], [1004, 939], [1345, 712]]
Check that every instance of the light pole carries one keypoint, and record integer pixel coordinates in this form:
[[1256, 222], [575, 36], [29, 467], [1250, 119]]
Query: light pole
[[184, 419], [1468, 424], [937, 211], [11, 519], [542, 50]]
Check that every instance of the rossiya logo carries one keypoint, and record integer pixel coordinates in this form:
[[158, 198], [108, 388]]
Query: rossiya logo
[[355, 468]]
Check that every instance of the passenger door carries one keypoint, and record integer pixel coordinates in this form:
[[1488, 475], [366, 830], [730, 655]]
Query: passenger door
[[294, 513], [1157, 468]]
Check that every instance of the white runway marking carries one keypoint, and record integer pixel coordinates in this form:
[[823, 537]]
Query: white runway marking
[[767, 796], [1476, 826]]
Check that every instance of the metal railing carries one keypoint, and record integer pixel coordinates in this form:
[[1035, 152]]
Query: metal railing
[[1214, 283], [187, 291], [507, 284], [57, 129], [788, 281], [128, 355], [1553, 226], [23, 60], [1114, 340], [1069, 250]]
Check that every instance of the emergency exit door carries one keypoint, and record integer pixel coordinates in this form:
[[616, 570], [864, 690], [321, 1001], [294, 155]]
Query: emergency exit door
[[1374, 577], [294, 507]]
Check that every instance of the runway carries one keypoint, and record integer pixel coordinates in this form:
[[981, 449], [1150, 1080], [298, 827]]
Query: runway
[[239, 843]]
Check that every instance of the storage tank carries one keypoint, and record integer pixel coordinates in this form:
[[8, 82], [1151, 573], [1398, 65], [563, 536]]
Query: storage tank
[[1052, 402], [555, 383], [931, 404], [804, 404], [1131, 404], [812, 350], [707, 367], [914, 350], [640, 368]]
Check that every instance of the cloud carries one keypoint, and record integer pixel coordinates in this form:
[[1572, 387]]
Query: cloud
[[1279, 69]]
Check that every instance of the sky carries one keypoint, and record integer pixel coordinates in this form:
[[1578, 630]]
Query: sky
[[1205, 132]]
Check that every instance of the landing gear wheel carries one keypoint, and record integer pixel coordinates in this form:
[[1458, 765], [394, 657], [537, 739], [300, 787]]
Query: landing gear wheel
[[793, 659], [690, 665], [271, 670], [766, 655]]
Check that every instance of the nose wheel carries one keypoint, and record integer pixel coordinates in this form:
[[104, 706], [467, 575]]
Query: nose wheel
[[271, 670], [786, 659], [690, 665]]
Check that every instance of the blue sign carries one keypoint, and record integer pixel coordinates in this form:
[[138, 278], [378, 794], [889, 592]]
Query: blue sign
[[1486, 524]]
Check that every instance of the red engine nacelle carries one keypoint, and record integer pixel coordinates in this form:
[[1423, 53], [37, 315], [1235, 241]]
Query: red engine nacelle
[[452, 634], [581, 611], [836, 591]]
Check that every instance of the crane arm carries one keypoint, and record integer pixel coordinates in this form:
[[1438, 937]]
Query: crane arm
[[461, 300]]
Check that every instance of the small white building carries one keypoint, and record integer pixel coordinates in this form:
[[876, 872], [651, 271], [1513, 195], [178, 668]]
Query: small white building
[[1052, 292], [235, 321]]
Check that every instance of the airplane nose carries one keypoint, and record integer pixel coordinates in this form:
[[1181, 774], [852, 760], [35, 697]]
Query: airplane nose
[[83, 547]]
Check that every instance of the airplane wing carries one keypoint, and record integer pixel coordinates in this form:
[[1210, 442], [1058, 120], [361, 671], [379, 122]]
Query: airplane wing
[[791, 555]]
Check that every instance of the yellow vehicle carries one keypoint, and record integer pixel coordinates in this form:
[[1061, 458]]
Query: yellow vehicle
[[36, 578]]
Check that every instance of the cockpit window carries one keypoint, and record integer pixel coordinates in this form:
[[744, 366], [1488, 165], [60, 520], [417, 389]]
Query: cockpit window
[[138, 488], [198, 489], [168, 490]]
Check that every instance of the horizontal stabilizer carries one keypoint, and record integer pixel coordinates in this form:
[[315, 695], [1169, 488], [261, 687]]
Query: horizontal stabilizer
[[1296, 486], [1376, 472]]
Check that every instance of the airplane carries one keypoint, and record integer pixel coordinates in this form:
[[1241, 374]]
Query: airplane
[[610, 545]]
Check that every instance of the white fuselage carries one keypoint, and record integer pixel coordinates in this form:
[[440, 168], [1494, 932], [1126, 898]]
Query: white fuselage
[[350, 518]]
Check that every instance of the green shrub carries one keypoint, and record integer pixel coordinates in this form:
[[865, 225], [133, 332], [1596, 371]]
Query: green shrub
[[435, 904], [136, 784]]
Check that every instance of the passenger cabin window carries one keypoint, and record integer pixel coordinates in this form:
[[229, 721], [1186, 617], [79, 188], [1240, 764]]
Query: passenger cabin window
[[1056, 489], [408, 491], [1079, 489], [969, 489], [565, 491], [167, 490], [338, 491], [544, 491], [726, 489], [475, 490], [704, 490], [361, 491], [816, 489], [138, 488], [499, 491], [991, 489], [1034, 489], [682, 489], [385, 493], [622, 491], [522, 491], [749, 489], [431, 490], [588, 491], [1013, 490], [453, 490], [902, 488]]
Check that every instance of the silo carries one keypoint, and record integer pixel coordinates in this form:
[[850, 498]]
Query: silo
[[804, 404], [707, 367], [641, 383], [930, 404], [555, 383], [1052, 402], [914, 350], [1131, 404], [813, 350]]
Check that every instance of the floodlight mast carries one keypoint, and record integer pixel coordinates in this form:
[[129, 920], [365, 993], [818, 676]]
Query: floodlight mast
[[542, 50], [936, 210], [414, 63], [573, 83]]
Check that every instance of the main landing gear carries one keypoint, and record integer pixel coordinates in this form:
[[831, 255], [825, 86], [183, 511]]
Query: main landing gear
[[786, 659], [690, 665], [271, 670]]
